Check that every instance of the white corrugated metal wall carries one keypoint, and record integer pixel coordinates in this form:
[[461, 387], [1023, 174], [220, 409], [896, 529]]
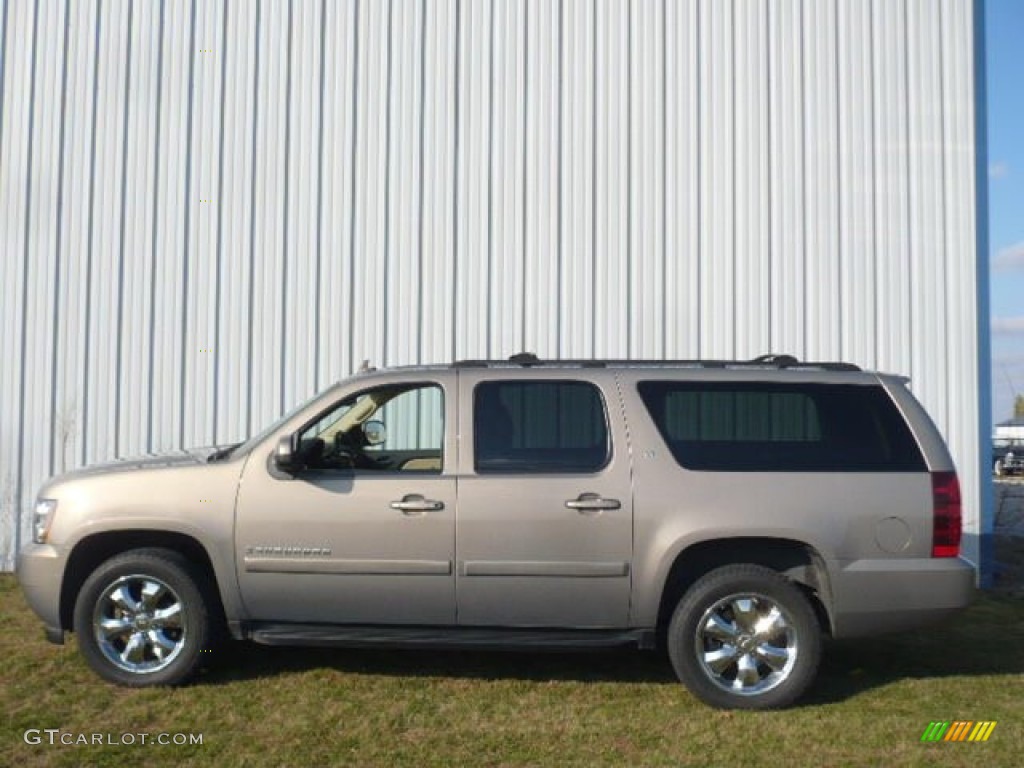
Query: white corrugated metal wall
[[209, 210]]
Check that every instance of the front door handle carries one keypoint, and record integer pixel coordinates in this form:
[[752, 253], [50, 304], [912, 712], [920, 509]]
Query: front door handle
[[414, 502], [587, 502]]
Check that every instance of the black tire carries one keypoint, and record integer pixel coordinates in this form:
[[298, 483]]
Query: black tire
[[736, 597], [156, 602]]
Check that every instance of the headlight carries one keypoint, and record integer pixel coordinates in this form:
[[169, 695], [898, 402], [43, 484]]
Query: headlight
[[42, 518]]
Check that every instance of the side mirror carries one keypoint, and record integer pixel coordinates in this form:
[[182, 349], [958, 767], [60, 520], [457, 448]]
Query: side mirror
[[284, 455], [374, 432]]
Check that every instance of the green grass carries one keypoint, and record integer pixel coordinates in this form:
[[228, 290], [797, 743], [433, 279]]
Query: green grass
[[259, 706]]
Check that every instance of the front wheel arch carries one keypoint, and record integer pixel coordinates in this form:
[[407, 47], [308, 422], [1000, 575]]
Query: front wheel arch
[[143, 618], [91, 551]]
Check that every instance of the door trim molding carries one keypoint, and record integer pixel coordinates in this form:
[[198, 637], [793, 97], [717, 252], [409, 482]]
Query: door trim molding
[[348, 567], [557, 568]]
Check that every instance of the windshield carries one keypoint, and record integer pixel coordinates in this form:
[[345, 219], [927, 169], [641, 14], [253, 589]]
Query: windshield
[[252, 442]]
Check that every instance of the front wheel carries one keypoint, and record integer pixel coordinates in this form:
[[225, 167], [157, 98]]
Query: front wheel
[[142, 618], [744, 637]]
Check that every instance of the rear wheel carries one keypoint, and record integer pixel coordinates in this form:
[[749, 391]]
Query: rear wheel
[[744, 637], [142, 618]]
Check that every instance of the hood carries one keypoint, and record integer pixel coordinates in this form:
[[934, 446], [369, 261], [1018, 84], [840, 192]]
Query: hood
[[146, 461]]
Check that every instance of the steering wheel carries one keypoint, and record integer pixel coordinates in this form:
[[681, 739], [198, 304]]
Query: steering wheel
[[354, 456], [343, 452]]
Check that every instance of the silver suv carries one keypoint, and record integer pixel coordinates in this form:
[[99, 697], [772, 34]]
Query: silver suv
[[733, 513]]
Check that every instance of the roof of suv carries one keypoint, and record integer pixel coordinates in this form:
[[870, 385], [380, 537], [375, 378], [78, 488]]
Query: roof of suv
[[769, 362], [528, 360]]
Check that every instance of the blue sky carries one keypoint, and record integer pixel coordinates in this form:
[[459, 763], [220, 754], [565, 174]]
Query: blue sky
[[1005, 30]]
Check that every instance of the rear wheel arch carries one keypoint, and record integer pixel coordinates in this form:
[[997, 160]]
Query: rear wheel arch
[[798, 561], [745, 637]]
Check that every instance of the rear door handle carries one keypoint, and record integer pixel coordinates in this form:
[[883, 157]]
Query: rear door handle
[[413, 503], [587, 502]]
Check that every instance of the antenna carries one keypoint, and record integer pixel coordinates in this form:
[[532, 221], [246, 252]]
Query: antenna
[[1009, 381], [1014, 394]]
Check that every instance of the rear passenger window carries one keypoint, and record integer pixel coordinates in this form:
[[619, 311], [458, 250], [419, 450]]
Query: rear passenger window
[[539, 426], [769, 427]]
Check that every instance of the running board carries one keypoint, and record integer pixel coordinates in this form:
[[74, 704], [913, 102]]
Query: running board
[[359, 636]]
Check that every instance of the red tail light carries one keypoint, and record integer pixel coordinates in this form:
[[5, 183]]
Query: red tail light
[[947, 514]]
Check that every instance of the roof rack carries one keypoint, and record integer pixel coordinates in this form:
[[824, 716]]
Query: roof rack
[[780, 362]]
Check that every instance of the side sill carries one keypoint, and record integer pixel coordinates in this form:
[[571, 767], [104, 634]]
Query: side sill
[[364, 636]]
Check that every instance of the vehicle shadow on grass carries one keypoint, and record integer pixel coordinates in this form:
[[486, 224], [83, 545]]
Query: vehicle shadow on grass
[[243, 661], [987, 639]]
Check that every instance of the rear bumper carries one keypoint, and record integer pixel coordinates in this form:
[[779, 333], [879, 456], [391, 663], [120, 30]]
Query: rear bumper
[[872, 597], [40, 570]]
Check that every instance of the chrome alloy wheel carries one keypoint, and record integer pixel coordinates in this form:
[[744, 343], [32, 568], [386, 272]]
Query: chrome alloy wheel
[[139, 624], [746, 644]]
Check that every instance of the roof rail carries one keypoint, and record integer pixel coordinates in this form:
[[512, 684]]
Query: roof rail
[[530, 360]]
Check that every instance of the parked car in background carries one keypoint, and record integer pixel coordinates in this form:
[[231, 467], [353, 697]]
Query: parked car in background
[[1007, 457]]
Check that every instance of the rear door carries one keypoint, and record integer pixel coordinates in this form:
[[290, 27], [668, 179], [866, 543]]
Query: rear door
[[544, 535]]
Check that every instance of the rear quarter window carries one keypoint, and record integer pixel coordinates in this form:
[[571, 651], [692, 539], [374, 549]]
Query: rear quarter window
[[778, 427]]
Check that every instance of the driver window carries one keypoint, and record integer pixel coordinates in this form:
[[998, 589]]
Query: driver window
[[394, 429]]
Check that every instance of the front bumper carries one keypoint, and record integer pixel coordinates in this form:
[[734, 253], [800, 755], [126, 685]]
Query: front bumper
[[872, 597], [40, 570]]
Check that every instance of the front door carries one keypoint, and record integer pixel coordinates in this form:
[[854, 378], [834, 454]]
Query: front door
[[364, 533], [545, 528]]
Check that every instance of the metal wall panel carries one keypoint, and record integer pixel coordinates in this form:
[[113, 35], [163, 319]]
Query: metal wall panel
[[209, 210]]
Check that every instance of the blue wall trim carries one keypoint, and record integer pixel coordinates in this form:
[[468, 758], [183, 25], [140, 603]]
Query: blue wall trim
[[986, 508]]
